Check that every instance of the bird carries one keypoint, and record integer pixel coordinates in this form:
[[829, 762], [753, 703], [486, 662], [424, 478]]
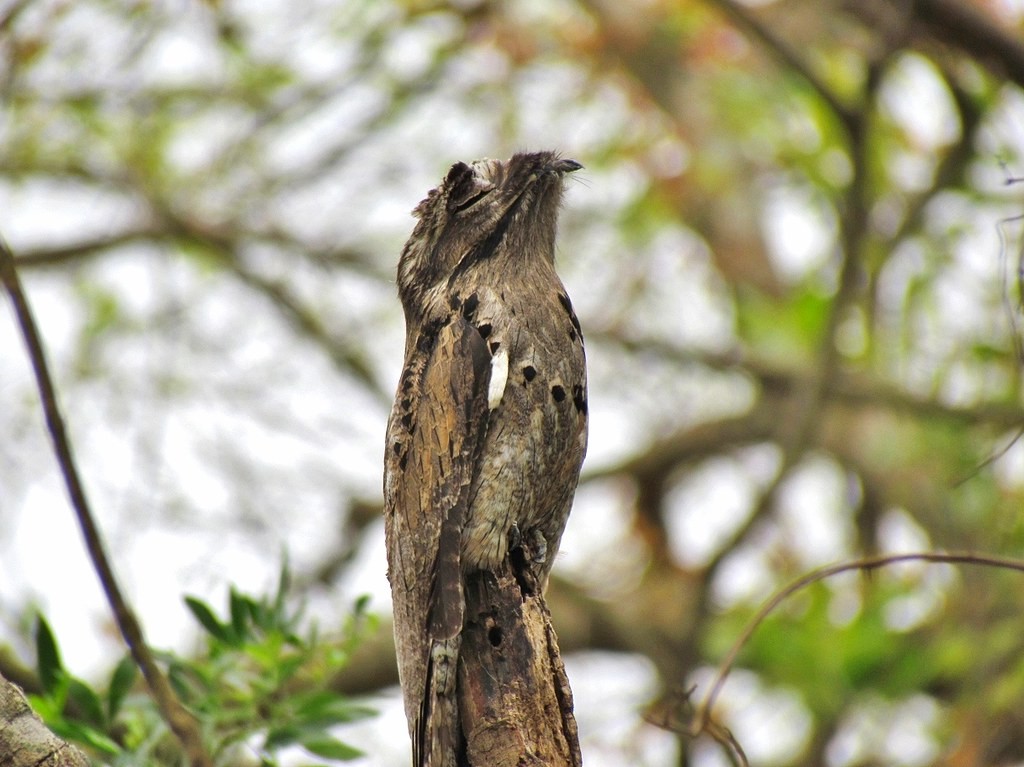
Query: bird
[[488, 431]]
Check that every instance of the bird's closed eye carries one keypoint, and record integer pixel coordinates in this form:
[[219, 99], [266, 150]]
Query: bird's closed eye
[[461, 205]]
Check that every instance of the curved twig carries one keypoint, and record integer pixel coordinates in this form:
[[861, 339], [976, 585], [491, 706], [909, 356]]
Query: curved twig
[[703, 720]]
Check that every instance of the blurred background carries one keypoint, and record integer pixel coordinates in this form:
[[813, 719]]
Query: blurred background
[[795, 253]]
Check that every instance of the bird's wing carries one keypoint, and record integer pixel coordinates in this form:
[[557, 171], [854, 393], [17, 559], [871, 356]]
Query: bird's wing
[[434, 441]]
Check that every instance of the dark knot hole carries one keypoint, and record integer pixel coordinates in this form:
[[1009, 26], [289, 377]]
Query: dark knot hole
[[495, 636]]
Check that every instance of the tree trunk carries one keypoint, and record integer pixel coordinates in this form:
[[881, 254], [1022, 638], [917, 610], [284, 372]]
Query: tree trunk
[[515, 704]]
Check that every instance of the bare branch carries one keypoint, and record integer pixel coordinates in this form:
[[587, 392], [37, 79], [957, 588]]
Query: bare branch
[[179, 720], [696, 442], [85, 249], [227, 251]]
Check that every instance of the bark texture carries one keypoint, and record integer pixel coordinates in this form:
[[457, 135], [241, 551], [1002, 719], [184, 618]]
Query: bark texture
[[24, 739], [516, 705]]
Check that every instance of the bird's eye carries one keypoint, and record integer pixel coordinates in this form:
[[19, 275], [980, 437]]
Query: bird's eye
[[460, 205], [465, 188]]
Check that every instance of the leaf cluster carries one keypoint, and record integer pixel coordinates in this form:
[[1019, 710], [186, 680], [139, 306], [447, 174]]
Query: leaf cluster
[[258, 688]]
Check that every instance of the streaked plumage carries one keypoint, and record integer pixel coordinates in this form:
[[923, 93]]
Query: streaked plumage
[[489, 426]]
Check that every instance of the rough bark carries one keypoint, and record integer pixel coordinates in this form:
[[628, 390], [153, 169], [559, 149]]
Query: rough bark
[[24, 739], [514, 697]]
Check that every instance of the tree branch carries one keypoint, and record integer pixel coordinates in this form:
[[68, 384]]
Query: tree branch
[[955, 23], [85, 249], [24, 739], [848, 389], [786, 56], [515, 704], [226, 250], [179, 720]]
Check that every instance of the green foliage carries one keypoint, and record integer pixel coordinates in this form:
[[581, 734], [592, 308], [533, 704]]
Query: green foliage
[[789, 330], [830, 661], [68, 705], [51, 668], [261, 685]]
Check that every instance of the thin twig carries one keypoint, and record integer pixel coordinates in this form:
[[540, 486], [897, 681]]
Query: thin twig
[[227, 253], [179, 720], [868, 563]]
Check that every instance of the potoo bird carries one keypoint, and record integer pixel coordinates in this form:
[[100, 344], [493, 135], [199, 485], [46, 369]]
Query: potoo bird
[[489, 425]]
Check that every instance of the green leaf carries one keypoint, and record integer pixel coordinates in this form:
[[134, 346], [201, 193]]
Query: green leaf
[[87, 702], [104, 310], [284, 735], [83, 733], [188, 681], [330, 748], [786, 329], [287, 667], [49, 710], [209, 621], [51, 669], [261, 616], [284, 584], [326, 708], [240, 611], [121, 682]]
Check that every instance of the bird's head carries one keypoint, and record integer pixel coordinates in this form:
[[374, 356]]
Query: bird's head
[[488, 210]]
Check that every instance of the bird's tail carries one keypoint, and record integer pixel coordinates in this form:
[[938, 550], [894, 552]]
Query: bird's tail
[[437, 734]]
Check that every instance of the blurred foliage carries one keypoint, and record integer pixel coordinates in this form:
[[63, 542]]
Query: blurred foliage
[[258, 687], [794, 252]]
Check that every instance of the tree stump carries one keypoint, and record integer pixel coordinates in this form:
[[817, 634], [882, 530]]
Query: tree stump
[[515, 703]]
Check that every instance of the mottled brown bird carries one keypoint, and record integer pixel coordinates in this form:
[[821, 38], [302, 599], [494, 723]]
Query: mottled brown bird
[[489, 425]]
